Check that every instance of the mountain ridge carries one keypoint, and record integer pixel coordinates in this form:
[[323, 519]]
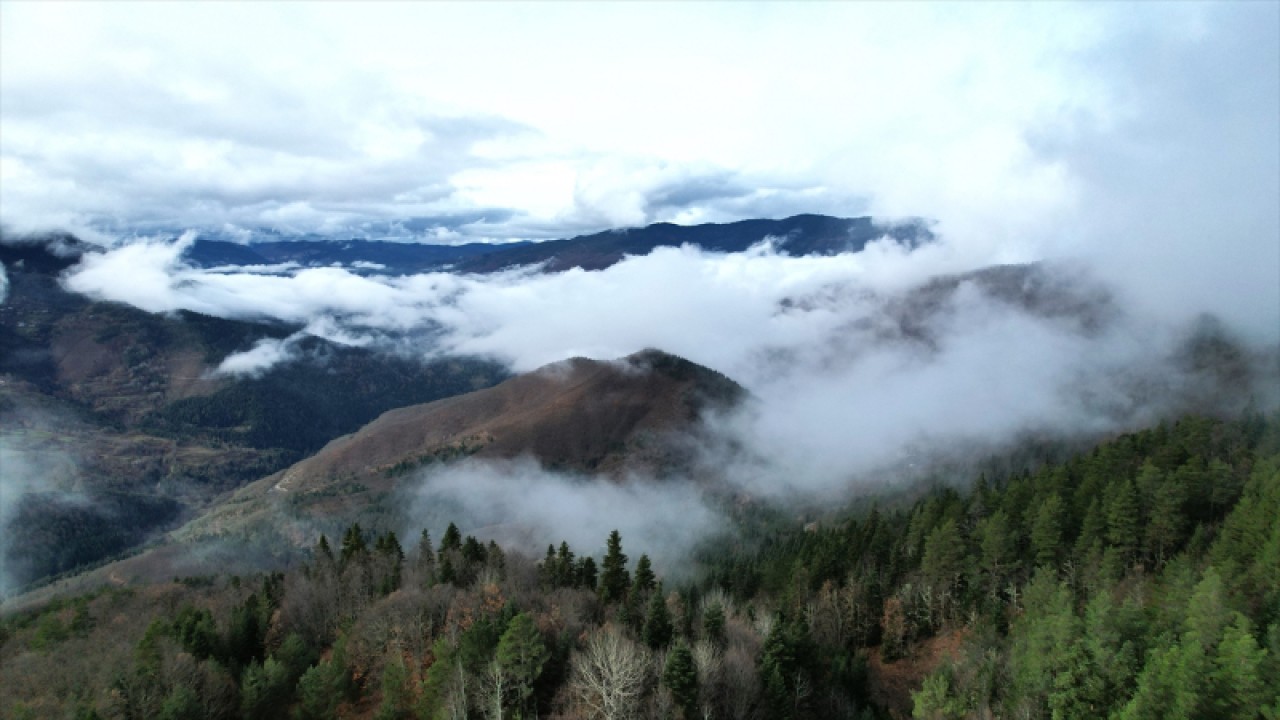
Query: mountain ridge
[[805, 234]]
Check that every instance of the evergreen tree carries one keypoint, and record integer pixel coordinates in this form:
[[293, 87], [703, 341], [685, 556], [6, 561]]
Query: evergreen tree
[[353, 543], [564, 566], [324, 686], [657, 622], [452, 539], [586, 574], [680, 676], [396, 695], [521, 655], [264, 690], [181, 704], [998, 548], [713, 622], [549, 570], [1046, 531], [323, 550], [614, 580], [1238, 680], [644, 578], [425, 562], [1123, 519]]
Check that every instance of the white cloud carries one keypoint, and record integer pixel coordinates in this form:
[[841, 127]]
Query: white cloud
[[522, 505], [262, 356], [851, 371], [997, 120]]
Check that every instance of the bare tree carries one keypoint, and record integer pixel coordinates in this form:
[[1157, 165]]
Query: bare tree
[[609, 676], [495, 687]]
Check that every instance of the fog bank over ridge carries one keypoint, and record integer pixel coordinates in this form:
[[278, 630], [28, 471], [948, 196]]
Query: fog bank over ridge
[[856, 361]]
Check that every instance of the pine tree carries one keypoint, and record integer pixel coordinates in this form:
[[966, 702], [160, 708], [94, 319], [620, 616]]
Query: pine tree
[[1123, 519], [585, 576], [323, 551], [998, 547], [680, 675], [396, 695], [426, 560], [713, 622], [564, 566], [644, 578], [452, 539], [521, 655], [549, 569], [657, 622], [1046, 531], [353, 544], [1238, 680], [614, 580]]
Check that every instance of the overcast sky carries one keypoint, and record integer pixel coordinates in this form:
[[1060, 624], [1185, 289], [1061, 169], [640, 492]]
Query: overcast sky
[[537, 120]]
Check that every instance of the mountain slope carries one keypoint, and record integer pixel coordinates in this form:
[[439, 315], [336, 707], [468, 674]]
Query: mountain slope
[[641, 413], [797, 235], [578, 414], [127, 407]]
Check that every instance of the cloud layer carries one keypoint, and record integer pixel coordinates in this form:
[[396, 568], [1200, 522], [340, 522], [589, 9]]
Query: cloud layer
[[1021, 127]]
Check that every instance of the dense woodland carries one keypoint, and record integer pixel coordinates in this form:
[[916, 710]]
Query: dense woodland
[[1140, 579]]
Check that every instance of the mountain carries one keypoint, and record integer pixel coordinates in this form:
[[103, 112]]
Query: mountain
[[638, 413], [358, 255], [798, 235], [123, 427], [579, 414]]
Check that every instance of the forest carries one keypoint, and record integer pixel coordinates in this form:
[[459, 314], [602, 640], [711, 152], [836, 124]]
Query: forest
[[1139, 579]]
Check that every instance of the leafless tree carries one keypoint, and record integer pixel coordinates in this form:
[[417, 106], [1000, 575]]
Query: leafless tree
[[610, 675], [495, 687]]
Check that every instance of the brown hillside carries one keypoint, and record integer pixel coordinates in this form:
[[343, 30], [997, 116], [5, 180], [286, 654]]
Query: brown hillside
[[578, 414]]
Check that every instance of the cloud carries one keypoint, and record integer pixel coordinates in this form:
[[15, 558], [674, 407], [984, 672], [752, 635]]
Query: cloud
[[264, 354], [34, 463], [858, 362], [522, 505], [1177, 187], [1015, 126]]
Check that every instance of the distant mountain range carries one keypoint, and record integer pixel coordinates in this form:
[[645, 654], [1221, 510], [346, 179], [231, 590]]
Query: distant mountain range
[[798, 235]]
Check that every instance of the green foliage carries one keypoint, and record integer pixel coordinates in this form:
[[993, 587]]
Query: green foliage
[[657, 622], [396, 697], [713, 622], [522, 654], [182, 704], [1046, 531], [324, 686], [935, 701], [615, 581], [680, 676], [785, 663], [49, 632], [644, 577], [265, 689], [452, 539], [1108, 584], [196, 631]]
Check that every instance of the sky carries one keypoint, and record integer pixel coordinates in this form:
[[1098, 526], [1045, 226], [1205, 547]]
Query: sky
[[527, 120]]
